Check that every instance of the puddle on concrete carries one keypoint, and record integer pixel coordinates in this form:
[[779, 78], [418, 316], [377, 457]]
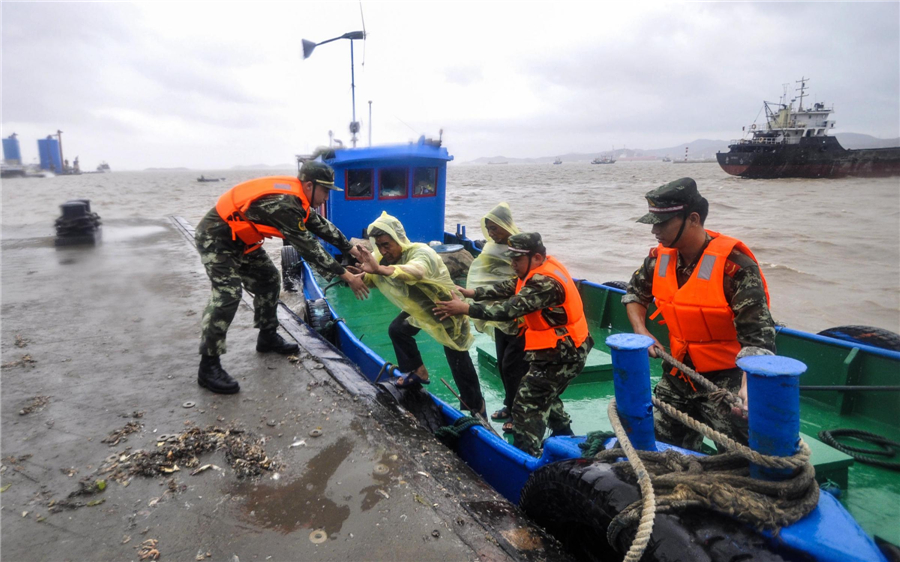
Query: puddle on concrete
[[381, 472], [301, 504]]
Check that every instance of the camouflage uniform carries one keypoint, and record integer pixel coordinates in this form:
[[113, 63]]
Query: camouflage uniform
[[537, 403], [229, 267], [745, 294]]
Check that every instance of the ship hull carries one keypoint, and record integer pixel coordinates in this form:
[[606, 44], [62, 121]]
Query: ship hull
[[818, 157]]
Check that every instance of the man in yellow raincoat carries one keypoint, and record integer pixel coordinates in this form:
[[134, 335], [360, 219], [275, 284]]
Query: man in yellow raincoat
[[489, 268], [413, 277]]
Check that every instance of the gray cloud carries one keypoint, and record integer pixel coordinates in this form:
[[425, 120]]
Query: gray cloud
[[646, 77]]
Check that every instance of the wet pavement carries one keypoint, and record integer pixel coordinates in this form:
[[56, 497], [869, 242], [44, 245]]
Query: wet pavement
[[99, 352]]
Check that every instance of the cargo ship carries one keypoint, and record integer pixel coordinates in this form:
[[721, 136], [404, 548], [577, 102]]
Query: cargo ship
[[795, 144]]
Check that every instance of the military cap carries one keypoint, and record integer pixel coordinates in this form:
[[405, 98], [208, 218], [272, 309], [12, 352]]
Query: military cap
[[524, 243], [318, 172], [670, 200]]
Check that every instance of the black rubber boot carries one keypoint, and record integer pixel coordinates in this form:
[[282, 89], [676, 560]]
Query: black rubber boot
[[213, 377], [272, 341], [567, 432]]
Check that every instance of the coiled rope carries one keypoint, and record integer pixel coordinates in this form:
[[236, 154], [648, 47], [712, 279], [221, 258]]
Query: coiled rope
[[862, 454]]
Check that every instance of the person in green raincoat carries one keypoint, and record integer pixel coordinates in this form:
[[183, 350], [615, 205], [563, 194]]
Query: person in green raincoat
[[489, 268], [413, 277]]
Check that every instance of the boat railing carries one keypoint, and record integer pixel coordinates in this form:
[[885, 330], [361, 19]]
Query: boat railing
[[769, 141]]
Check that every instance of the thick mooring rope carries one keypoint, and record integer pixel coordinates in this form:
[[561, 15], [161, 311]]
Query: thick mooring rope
[[715, 392], [648, 497], [453, 432]]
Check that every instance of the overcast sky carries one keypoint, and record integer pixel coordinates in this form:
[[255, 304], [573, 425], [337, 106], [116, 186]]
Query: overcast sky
[[212, 85]]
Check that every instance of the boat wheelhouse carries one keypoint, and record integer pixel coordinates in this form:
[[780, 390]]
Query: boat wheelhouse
[[408, 181]]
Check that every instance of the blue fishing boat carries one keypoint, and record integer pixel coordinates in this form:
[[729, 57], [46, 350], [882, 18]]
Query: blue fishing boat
[[410, 183]]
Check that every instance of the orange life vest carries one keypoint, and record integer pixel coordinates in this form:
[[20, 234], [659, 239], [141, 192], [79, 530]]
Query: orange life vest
[[699, 319], [538, 333], [234, 203]]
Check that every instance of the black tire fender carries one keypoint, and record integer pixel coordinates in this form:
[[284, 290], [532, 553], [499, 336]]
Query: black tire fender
[[575, 500], [292, 280], [617, 284], [866, 335], [319, 316]]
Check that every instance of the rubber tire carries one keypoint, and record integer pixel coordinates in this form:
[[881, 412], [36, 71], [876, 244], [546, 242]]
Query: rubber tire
[[290, 270], [575, 500], [318, 315], [617, 284], [867, 335]]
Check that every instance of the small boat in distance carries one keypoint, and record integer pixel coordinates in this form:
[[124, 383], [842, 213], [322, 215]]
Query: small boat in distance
[[558, 160], [205, 179], [103, 167], [604, 160], [666, 159]]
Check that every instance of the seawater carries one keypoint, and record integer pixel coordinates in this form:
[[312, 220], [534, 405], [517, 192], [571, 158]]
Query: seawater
[[830, 249]]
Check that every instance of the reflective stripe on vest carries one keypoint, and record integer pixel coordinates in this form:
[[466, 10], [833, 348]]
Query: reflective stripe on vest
[[538, 333], [234, 203], [699, 318]]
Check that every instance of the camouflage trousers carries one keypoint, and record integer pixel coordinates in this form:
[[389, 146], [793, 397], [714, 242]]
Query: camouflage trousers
[[538, 405], [697, 404], [228, 268]]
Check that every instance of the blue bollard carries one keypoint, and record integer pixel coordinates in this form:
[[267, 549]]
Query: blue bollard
[[773, 396], [631, 377]]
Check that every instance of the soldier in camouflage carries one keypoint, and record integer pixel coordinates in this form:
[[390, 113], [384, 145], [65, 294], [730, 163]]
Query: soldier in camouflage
[[537, 404], [229, 267], [678, 213]]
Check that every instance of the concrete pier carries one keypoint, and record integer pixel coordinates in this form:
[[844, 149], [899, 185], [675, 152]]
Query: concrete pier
[[94, 338]]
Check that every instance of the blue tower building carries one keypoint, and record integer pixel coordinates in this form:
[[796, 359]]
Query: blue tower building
[[11, 153], [48, 149]]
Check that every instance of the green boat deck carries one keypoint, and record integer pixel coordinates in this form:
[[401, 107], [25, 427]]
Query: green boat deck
[[871, 494]]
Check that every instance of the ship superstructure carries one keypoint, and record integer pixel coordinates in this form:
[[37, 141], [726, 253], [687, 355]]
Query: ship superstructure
[[796, 143]]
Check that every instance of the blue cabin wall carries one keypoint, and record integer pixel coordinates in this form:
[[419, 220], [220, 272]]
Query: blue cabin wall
[[420, 210]]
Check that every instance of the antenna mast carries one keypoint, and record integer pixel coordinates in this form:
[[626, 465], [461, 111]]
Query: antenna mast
[[802, 89]]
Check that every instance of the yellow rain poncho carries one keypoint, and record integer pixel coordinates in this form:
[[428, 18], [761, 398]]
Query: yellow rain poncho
[[420, 279], [492, 267]]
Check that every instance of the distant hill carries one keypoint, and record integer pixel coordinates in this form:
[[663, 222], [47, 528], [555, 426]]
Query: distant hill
[[700, 148], [264, 167]]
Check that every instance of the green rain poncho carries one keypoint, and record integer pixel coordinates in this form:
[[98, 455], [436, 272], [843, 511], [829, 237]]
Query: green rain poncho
[[419, 280], [492, 267]]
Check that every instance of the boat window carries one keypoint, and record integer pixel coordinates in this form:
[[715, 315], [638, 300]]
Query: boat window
[[393, 183], [424, 182], [359, 184]]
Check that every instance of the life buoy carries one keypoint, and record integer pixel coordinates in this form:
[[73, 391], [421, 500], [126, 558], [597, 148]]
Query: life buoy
[[753, 126]]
